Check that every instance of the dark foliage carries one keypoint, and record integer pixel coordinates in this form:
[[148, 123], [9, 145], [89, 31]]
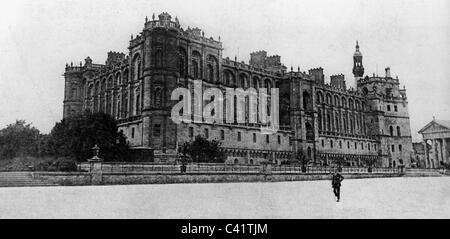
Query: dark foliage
[[18, 140], [74, 138], [202, 150]]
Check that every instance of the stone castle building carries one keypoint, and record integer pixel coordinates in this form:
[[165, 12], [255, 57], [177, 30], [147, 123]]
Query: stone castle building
[[326, 123]]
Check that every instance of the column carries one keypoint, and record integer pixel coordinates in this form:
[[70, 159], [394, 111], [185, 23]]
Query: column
[[427, 154], [436, 154], [444, 151]]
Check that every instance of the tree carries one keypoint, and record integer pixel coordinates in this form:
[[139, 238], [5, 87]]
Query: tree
[[74, 138], [203, 150], [18, 140]]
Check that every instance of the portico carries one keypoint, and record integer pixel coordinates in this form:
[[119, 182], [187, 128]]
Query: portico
[[437, 134]]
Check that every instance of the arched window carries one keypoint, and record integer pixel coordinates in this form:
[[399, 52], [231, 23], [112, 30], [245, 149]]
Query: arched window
[[329, 99], [97, 87], [236, 161], [350, 104], [90, 92], [110, 82], [158, 58], [336, 101], [210, 72], [73, 93], [344, 102], [309, 131], [337, 124], [182, 62], [196, 63], [319, 96], [103, 85], [213, 68], [268, 85], [125, 76], [243, 81], [136, 67], [307, 105], [319, 120], [229, 78], [137, 102], [118, 79], [391, 130], [255, 83], [398, 131], [158, 97]]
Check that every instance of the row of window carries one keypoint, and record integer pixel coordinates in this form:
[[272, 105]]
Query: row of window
[[340, 101], [342, 122], [389, 108], [399, 148], [391, 131], [370, 146], [119, 108], [239, 136]]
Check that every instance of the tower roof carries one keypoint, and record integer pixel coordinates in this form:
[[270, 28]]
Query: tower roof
[[357, 52]]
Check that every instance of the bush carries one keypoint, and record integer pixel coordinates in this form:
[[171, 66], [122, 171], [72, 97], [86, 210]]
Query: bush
[[64, 165]]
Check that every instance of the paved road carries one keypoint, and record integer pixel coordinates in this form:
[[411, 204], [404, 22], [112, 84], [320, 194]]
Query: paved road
[[361, 198]]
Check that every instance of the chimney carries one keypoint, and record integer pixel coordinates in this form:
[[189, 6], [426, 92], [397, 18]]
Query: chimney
[[388, 72]]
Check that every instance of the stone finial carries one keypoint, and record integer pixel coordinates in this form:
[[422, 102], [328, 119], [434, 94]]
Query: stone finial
[[219, 38], [298, 68], [153, 16], [203, 34], [131, 36], [146, 19]]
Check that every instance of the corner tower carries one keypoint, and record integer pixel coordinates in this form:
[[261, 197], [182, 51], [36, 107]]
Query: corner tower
[[358, 68]]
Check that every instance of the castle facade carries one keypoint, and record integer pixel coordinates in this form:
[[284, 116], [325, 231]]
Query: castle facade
[[325, 123]]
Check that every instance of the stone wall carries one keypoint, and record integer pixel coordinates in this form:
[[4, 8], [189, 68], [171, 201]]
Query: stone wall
[[77, 179]]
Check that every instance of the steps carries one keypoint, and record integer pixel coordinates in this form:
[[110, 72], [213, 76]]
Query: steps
[[21, 179], [417, 172]]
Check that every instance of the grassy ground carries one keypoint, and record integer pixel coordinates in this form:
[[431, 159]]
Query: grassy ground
[[23, 163]]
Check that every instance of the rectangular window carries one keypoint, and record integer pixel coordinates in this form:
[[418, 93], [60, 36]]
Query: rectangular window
[[207, 133], [323, 143], [157, 130], [331, 143], [267, 139], [279, 139], [132, 133], [393, 148], [222, 135], [290, 141], [388, 107], [239, 136], [362, 146], [356, 145], [340, 144], [348, 145], [395, 108], [254, 137], [400, 148], [191, 132]]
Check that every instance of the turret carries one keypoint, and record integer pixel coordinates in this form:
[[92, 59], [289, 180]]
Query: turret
[[358, 68]]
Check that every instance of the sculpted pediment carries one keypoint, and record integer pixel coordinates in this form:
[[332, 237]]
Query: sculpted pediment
[[434, 127]]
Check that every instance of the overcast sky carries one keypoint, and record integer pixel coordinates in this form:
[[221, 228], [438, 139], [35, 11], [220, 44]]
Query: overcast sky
[[37, 38]]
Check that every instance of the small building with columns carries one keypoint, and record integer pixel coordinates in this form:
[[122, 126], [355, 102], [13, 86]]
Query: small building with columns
[[437, 134]]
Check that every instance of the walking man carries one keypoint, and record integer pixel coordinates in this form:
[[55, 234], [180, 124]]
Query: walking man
[[336, 184]]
